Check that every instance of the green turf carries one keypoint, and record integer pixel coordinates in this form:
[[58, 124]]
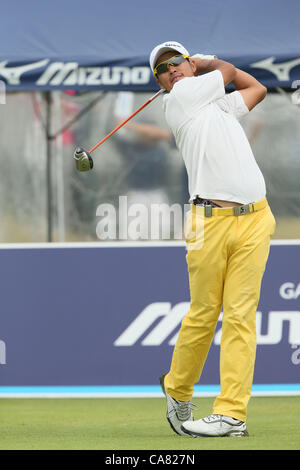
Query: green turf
[[135, 424]]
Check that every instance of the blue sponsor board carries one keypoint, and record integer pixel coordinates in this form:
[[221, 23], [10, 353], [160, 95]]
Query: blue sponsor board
[[108, 315]]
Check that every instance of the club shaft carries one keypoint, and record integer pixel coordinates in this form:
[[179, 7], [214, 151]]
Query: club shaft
[[126, 120]]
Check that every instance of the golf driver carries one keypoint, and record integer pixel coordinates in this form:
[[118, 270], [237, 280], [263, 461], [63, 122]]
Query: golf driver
[[84, 161]]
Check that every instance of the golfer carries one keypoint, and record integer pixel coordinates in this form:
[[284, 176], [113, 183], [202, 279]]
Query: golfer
[[228, 233]]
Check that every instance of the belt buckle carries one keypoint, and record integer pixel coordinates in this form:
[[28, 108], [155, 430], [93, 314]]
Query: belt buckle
[[241, 210], [207, 211]]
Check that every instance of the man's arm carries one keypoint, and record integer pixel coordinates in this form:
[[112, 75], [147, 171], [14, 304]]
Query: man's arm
[[252, 91], [227, 70]]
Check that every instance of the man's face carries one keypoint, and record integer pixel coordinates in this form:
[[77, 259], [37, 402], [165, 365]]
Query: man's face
[[167, 79]]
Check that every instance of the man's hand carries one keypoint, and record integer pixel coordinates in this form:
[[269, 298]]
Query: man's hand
[[208, 65]]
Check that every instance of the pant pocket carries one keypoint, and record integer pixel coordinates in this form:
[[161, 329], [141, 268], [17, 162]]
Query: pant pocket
[[194, 231], [272, 222]]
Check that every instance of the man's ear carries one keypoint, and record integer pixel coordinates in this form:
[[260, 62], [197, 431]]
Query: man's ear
[[193, 65]]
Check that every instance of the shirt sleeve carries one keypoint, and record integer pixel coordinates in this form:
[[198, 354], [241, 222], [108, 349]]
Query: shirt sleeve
[[233, 103], [195, 92]]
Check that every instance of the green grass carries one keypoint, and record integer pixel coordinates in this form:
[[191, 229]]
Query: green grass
[[135, 424]]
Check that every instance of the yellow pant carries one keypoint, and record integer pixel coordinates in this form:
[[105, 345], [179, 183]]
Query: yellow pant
[[226, 261]]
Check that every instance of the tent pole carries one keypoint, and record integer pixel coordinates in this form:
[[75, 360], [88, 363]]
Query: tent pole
[[49, 138], [48, 167]]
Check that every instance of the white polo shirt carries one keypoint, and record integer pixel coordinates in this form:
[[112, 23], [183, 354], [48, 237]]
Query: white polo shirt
[[217, 155]]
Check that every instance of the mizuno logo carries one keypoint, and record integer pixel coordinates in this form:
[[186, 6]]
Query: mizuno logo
[[70, 73], [13, 75], [171, 318], [160, 322], [281, 70]]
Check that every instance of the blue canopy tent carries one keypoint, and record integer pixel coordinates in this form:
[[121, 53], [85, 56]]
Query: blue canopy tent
[[105, 45], [96, 45]]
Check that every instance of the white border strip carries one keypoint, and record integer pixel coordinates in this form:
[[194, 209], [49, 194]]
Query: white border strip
[[117, 244], [12, 246], [291, 241]]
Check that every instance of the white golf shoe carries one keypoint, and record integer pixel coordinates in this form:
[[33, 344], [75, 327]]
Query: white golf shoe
[[215, 425], [178, 412]]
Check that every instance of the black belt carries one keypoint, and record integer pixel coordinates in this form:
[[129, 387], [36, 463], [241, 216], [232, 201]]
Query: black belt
[[198, 201]]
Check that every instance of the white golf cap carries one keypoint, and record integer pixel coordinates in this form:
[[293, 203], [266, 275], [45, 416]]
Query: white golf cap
[[165, 47]]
